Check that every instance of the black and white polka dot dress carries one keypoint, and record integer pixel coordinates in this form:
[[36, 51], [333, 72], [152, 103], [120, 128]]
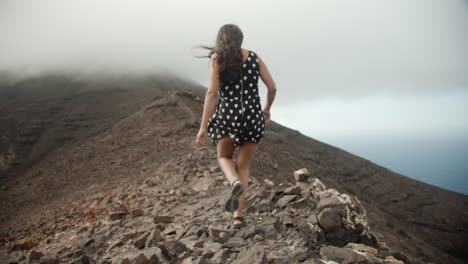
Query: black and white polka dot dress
[[239, 113]]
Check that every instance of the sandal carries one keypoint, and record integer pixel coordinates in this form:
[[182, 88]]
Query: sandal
[[237, 189], [241, 218]]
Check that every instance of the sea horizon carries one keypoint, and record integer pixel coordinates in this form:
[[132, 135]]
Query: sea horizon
[[437, 160]]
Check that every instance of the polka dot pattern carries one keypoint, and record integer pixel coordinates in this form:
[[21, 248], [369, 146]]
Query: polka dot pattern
[[238, 113]]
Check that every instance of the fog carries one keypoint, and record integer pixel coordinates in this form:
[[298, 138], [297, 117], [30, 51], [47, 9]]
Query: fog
[[314, 49], [345, 70]]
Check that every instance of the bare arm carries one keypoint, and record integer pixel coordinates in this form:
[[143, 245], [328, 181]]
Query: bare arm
[[269, 82], [212, 93]]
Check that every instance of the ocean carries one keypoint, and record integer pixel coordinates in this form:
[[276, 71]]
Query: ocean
[[439, 160]]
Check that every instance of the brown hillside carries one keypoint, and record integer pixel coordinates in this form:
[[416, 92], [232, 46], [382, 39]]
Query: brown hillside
[[66, 140]]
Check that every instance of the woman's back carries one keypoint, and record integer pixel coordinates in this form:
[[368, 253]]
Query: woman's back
[[233, 115], [239, 111]]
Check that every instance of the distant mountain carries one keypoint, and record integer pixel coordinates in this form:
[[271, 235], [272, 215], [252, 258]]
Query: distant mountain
[[67, 142]]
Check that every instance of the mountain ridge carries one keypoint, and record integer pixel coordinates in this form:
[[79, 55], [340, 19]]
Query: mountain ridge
[[98, 119]]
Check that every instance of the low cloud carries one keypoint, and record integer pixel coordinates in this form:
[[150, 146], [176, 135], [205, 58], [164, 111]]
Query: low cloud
[[314, 49]]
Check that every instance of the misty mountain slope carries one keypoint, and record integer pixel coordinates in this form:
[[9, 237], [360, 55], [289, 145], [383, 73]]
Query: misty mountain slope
[[155, 172], [79, 168], [163, 126], [41, 113]]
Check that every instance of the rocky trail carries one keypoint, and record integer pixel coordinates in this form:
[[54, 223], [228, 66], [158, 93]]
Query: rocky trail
[[146, 222], [108, 172]]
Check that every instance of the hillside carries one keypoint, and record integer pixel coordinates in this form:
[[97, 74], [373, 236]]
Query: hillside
[[109, 158]]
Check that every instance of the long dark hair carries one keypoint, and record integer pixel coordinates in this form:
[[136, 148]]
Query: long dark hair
[[228, 50]]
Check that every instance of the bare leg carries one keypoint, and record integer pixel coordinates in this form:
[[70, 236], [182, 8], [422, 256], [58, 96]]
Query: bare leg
[[226, 148], [246, 152]]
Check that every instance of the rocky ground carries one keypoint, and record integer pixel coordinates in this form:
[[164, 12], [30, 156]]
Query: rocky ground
[[147, 223], [107, 169]]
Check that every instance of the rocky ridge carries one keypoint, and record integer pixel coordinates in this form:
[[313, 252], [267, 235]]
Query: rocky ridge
[[147, 223], [148, 135]]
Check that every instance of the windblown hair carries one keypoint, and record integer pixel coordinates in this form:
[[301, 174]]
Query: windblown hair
[[229, 53]]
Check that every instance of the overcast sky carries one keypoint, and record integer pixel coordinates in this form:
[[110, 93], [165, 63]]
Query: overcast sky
[[350, 66]]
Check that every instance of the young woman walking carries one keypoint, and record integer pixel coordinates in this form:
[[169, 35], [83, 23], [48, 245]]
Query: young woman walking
[[232, 115]]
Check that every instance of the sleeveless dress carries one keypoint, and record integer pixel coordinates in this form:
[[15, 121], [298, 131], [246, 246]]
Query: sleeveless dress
[[239, 113]]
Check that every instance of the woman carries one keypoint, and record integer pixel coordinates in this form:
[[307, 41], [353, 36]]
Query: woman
[[235, 118]]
